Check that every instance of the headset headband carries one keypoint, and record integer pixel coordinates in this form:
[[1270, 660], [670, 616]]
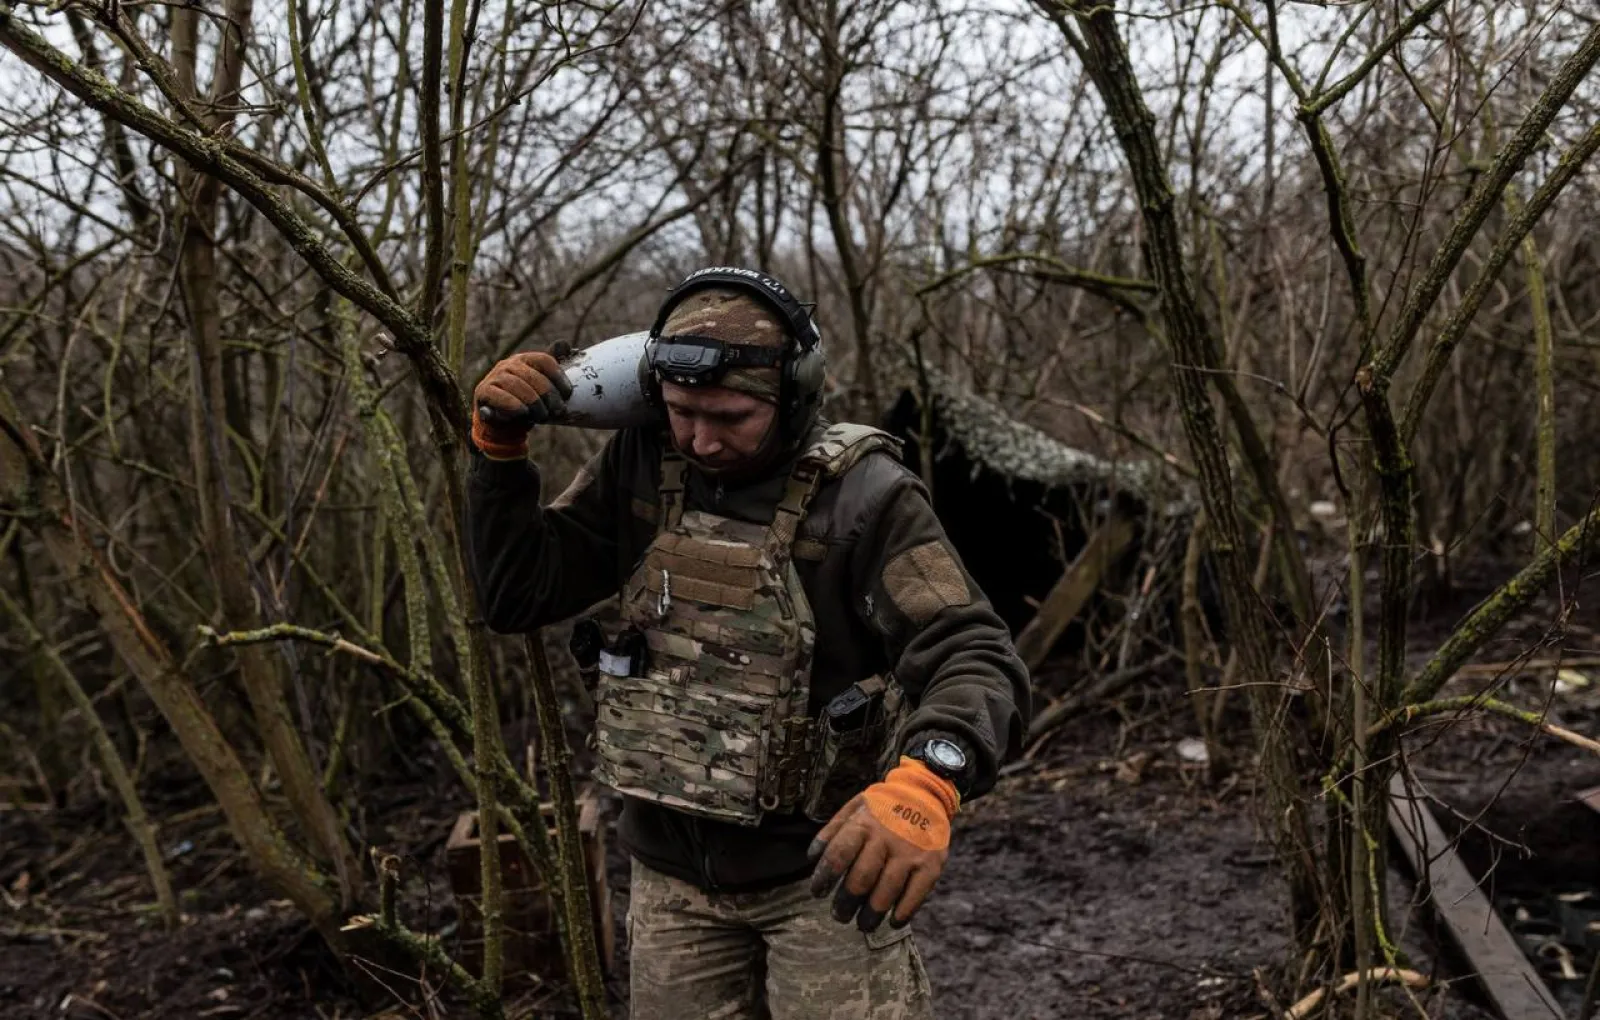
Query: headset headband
[[700, 360], [796, 316]]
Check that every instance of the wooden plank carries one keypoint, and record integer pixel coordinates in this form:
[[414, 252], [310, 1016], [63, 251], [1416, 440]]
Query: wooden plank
[[1068, 595], [1494, 957], [1591, 798]]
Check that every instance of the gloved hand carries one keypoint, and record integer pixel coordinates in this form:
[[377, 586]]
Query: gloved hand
[[520, 392], [889, 843]]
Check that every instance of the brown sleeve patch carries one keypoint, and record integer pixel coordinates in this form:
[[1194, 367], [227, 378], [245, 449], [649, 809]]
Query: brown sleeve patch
[[925, 579]]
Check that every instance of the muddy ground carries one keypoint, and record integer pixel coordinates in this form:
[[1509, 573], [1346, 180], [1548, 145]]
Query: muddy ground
[[1102, 878]]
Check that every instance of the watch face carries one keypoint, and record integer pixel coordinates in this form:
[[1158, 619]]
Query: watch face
[[945, 755]]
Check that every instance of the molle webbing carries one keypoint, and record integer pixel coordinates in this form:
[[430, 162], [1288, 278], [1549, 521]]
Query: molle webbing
[[718, 724]]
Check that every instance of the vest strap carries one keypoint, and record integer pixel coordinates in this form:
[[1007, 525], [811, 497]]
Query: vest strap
[[673, 470], [803, 483]]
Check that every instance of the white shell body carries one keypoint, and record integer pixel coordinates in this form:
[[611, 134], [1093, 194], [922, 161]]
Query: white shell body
[[605, 385]]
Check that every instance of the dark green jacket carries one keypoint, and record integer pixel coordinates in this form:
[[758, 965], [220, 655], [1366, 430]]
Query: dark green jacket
[[860, 556]]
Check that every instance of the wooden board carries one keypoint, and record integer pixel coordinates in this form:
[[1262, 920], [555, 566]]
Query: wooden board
[[1590, 798], [1077, 584], [1494, 957], [531, 943]]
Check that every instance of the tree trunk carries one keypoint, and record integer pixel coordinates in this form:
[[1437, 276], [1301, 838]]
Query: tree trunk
[[26, 479], [831, 171], [230, 569], [583, 959], [1193, 357]]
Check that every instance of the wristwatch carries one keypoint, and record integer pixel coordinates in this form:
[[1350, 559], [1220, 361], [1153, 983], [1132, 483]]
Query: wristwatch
[[945, 758]]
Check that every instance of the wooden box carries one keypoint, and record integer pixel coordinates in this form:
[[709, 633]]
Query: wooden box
[[531, 944]]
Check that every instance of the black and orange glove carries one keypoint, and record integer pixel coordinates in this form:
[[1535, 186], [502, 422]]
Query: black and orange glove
[[889, 844], [520, 392]]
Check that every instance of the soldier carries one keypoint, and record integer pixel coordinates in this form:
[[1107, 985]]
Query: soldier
[[809, 683]]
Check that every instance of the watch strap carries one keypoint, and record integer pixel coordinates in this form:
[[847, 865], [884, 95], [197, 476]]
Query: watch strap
[[917, 742]]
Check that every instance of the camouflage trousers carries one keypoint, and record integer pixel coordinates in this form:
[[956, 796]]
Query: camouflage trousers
[[777, 954]]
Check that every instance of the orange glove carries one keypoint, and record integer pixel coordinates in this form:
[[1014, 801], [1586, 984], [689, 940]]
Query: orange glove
[[889, 843], [520, 392]]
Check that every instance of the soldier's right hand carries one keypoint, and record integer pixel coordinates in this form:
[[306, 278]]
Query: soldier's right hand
[[524, 390]]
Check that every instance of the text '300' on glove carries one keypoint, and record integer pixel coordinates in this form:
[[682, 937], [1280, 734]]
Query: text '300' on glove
[[889, 846]]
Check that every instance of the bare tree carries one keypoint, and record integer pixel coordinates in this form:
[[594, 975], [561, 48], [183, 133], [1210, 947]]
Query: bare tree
[[1300, 254]]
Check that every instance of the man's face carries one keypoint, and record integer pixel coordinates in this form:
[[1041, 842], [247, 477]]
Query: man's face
[[719, 428]]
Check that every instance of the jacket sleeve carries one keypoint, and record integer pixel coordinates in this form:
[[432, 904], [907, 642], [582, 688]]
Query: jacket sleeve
[[535, 565], [948, 648]]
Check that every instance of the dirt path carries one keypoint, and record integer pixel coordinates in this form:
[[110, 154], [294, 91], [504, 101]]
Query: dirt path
[[1104, 881]]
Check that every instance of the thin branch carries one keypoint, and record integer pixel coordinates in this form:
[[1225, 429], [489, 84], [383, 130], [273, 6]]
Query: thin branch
[[1504, 249], [139, 824], [271, 170], [294, 632], [613, 255], [1512, 597], [432, 156], [1485, 197], [1342, 87], [1471, 703], [1055, 271], [412, 337]]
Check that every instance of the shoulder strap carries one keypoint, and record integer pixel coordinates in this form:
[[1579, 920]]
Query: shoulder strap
[[836, 451], [804, 481], [841, 447], [673, 469]]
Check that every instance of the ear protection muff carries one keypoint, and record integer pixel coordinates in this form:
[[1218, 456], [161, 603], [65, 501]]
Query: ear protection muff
[[804, 367]]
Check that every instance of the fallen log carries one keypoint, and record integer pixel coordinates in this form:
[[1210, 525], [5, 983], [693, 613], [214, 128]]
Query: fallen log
[[1093, 692]]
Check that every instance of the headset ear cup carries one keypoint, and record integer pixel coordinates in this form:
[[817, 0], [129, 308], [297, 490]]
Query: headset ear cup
[[806, 374], [810, 369]]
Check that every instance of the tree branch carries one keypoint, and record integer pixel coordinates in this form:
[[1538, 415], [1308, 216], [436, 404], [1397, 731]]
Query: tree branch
[[1342, 87], [425, 951], [276, 173], [1504, 249], [432, 156], [616, 253], [1472, 702], [1512, 597], [218, 158], [1481, 202], [1056, 271]]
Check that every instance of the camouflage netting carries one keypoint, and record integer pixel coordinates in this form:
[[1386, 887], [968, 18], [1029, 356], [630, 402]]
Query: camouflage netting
[[992, 439], [989, 438], [1017, 503]]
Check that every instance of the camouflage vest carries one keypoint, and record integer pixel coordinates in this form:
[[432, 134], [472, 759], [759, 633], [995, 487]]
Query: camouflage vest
[[716, 722]]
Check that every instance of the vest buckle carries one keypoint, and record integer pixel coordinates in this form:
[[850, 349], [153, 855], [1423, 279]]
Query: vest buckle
[[791, 763]]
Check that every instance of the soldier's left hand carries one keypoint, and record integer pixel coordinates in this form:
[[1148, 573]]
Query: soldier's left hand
[[889, 845]]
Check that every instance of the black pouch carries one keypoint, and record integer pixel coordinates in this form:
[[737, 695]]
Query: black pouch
[[585, 645], [854, 737]]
